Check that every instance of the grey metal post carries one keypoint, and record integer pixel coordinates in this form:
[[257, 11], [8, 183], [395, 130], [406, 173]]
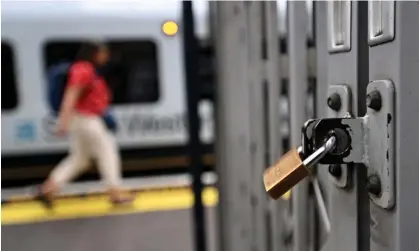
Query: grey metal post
[[275, 220], [321, 57], [346, 65], [320, 99], [297, 45], [257, 80], [394, 55], [232, 127], [240, 119]]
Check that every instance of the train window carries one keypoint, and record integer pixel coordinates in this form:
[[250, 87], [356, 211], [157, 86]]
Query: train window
[[132, 73], [9, 99]]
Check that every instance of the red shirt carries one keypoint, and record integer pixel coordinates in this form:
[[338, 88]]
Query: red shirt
[[95, 97]]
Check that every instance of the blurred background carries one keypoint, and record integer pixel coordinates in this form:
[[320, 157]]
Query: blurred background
[[148, 84]]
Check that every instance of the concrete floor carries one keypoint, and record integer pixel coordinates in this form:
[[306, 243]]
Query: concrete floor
[[155, 231]]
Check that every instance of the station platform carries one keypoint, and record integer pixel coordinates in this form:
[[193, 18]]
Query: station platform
[[146, 231], [88, 199], [82, 218]]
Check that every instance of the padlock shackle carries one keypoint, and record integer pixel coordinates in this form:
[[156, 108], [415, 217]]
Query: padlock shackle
[[315, 157]]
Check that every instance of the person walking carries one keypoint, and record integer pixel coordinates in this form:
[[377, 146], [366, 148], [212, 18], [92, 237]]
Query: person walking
[[84, 115]]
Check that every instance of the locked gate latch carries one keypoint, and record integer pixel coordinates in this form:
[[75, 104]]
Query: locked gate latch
[[368, 140]]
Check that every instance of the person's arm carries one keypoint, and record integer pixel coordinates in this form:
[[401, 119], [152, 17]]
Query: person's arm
[[71, 96], [79, 78]]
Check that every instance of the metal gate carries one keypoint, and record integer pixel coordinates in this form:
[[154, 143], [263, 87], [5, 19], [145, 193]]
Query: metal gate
[[367, 73]]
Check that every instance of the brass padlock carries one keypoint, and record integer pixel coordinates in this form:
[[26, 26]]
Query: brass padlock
[[291, 169]]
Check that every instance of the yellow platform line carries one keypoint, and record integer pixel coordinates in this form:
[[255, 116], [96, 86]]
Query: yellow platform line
[[96, 206], [22, 198]]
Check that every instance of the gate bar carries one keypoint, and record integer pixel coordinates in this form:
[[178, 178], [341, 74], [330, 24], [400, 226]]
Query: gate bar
[[190, 51], [298, 83]]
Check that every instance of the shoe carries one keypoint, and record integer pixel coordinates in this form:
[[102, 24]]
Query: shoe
[[123, 201], [41, 197]]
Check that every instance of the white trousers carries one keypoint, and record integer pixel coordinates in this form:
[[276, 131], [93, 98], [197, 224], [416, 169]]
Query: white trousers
[[90, 139]]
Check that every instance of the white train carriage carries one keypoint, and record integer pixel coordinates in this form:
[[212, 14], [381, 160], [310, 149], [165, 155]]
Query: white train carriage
[[149, 92], [149, 89]]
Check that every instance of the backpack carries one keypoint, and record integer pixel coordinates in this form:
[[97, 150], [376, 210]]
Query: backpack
[[57, 76]]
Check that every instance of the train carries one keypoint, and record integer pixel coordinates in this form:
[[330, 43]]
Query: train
[[149, 97]]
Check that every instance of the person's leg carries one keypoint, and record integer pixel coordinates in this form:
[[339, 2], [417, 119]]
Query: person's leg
[[108, 160], [71, 166], [65, 171]]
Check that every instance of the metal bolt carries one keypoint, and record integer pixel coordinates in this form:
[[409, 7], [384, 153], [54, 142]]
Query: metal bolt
[[374, 185], [374, 100], [335, 170], [334, 102]]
